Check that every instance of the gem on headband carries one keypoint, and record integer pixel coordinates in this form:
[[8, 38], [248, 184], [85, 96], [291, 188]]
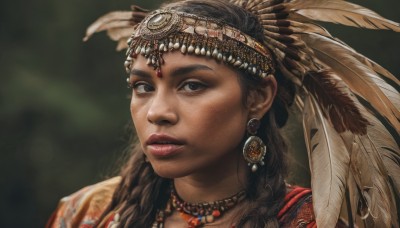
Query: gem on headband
[[167, 31]]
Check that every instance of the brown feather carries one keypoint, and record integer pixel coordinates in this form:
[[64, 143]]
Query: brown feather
[[289, 75], [119, 25], [301, 27], [378, 75], [377, 68], [261, 9], [273, 16], [358, 77], [341, 12], [337, 105], [108, 18], [122, 44], [115, 25], [354, 196], [136, 8], [387, 147], [374, 157], [137, 17], [329, 164], [288, 50], [385, 74], [120, 33], [264, 3], [376, 188]]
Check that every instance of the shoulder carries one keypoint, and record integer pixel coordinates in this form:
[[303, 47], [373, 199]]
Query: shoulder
[[82, 208], [297, 210]]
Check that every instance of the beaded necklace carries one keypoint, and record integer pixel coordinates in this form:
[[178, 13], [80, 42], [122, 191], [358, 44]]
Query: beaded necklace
[[197, 214]]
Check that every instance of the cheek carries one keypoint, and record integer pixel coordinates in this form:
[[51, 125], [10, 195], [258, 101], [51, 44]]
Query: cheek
[[220, 123], [138, 115], [134, 111]]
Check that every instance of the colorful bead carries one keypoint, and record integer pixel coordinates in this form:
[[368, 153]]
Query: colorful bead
[[209, 218], [216, 213], [196, 215]]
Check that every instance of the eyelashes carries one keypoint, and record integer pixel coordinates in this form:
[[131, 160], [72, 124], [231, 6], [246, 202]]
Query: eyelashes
[[187, 87], [193, 86], [142, 87]]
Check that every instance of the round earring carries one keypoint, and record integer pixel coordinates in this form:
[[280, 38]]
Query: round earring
[[254, 149]]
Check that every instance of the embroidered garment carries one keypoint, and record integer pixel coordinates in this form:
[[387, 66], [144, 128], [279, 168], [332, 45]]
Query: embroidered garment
[[83, 208]]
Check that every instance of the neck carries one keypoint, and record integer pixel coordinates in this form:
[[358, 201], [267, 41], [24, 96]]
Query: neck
[[214, 183]]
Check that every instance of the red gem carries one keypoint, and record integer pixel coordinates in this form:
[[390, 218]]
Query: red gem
[[216, 213], [159, 74]]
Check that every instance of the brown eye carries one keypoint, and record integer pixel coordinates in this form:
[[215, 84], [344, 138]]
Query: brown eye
[[142, 87], [193, 86]]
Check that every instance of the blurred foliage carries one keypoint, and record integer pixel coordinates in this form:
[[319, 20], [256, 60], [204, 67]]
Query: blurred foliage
[[63, 103]]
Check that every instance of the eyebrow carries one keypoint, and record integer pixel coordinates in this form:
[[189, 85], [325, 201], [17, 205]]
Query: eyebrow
[[140, 73], [179, 71]]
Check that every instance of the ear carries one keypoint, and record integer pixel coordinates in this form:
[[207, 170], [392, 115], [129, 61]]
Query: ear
[[260, 99]]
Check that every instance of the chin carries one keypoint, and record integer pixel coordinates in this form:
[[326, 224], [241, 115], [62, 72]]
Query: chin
[[170, 171]]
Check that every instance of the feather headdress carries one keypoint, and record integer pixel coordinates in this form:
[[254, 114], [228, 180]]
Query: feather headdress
[[350, 104]]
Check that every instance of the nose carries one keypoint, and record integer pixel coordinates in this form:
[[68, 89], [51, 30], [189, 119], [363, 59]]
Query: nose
[[162, 110]]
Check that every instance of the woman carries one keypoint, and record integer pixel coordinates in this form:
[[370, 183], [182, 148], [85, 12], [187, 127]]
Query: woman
[[211, 85]]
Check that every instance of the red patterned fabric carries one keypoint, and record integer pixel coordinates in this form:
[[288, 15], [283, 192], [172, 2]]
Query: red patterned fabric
[[297, 210], [83, 208]]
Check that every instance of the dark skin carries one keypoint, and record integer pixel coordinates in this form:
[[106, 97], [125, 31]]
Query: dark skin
[[199, 104]]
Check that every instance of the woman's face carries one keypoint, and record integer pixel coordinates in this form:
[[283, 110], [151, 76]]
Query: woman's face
[[192, 118]]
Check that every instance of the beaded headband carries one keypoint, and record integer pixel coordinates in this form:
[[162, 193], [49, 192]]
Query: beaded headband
[[167, 30]]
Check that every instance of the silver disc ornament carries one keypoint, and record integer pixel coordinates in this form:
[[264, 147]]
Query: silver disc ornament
[[254, 149]]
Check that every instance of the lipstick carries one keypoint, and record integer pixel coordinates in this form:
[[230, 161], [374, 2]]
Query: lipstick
[[162, 145]]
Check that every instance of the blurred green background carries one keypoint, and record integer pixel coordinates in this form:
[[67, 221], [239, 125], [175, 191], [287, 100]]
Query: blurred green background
[[64, 106]]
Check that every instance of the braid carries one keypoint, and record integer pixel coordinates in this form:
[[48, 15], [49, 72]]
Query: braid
[[140, 193], [139, 206]]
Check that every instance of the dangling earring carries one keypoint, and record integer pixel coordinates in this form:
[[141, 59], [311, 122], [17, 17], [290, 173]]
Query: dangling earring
[[254, 148]]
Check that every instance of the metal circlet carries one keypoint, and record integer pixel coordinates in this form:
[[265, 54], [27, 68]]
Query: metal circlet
[[166, 30]]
